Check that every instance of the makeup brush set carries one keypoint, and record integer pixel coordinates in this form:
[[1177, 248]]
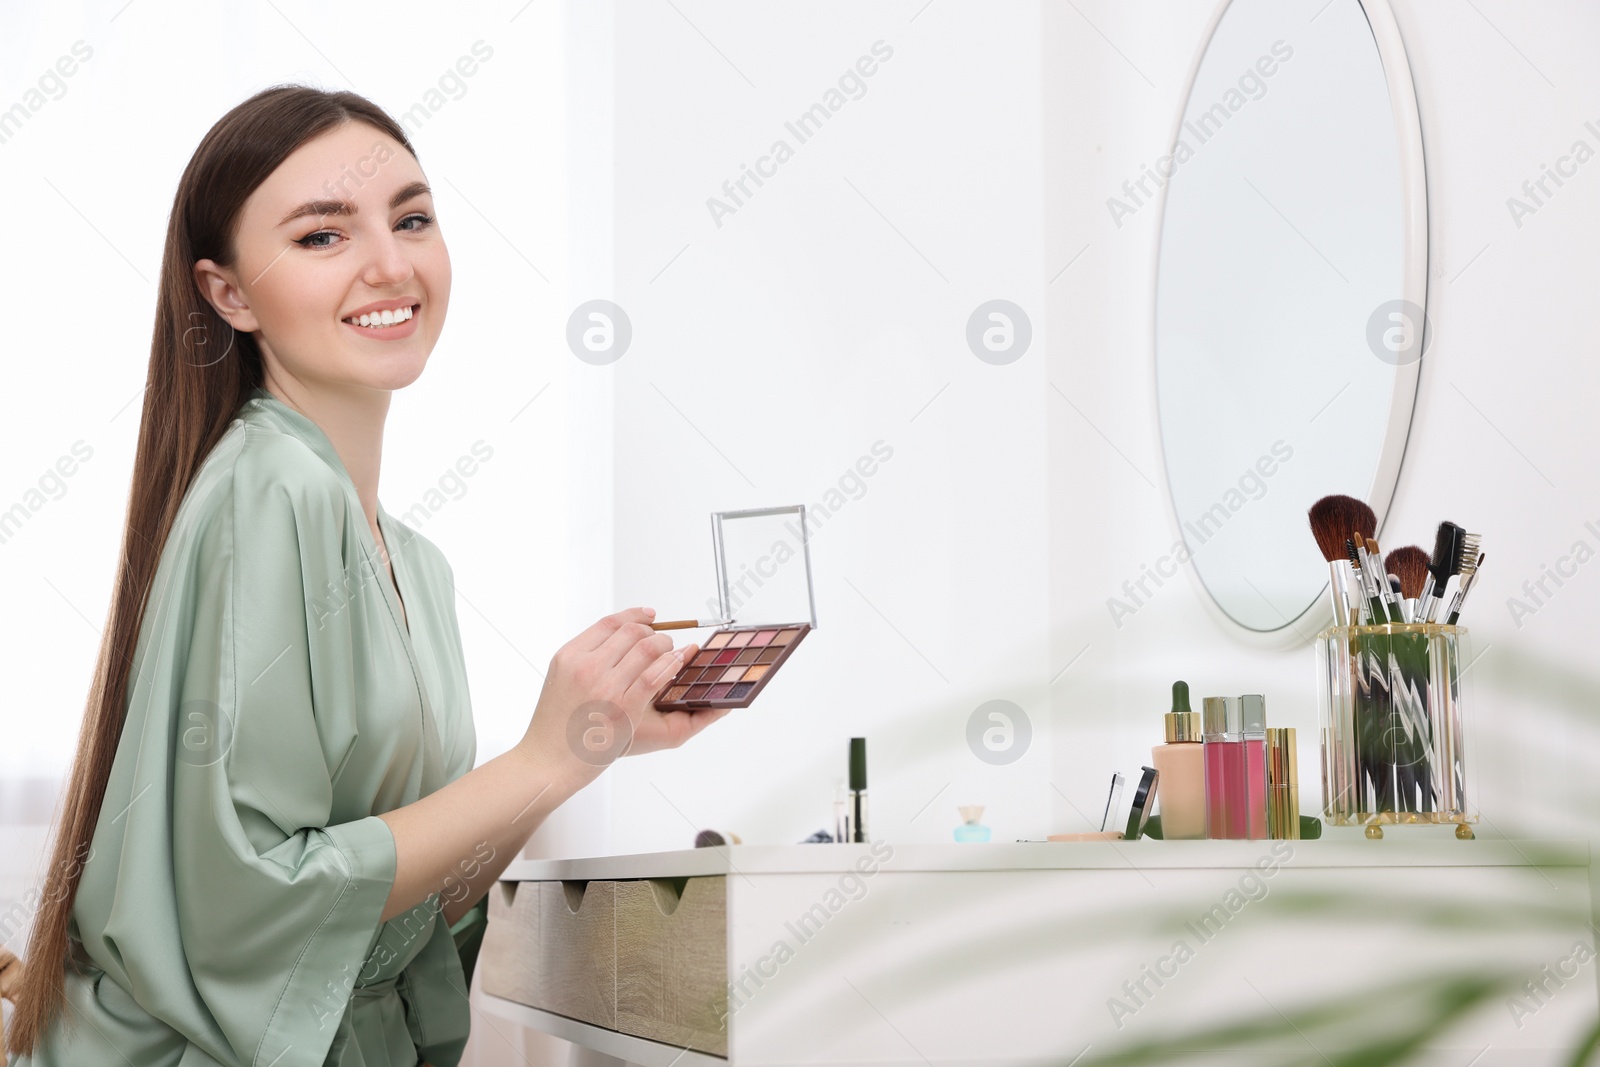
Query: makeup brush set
[[1390, 692]]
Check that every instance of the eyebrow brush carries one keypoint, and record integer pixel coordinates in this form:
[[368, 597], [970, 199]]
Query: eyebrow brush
[[1446, 561]]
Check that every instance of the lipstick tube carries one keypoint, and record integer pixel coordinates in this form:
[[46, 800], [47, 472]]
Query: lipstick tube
[[1283, 785]]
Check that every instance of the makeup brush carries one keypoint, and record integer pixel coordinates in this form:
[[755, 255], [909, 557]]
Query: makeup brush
[[689, 624], [1469, 575], [1391, 591], [1410, 566], [1333, 519], [1446, 561], [1372, 562], [1371, 606]]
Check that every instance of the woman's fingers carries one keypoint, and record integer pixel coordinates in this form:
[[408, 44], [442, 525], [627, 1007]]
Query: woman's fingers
[[647, 649], [657, 673], [616, 648], [603, 629]]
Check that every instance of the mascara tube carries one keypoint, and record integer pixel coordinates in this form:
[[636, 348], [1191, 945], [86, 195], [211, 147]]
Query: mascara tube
[[856, 815]]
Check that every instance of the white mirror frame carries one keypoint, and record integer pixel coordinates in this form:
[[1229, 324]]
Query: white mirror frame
[[1414, 287]]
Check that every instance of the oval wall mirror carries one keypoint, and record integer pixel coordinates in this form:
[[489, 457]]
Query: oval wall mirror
[[1289, 292]]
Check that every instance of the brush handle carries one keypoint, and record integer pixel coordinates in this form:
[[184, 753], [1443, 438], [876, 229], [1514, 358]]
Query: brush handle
[[1460, 598], [1339, 590], [1432, 597]]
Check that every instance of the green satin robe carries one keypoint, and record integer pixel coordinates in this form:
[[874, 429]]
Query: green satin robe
[[228, 912]]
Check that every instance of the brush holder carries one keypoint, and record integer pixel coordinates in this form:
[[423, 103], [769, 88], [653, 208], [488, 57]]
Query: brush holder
[[1392, 703]]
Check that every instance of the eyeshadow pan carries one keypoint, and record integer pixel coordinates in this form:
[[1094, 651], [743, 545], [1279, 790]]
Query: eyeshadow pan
[[732, 668]]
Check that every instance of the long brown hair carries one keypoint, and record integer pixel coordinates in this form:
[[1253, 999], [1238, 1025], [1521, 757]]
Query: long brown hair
[[200, 372]]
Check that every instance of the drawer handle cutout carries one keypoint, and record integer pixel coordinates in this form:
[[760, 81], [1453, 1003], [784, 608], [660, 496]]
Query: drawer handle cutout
[[668, 893], [574, 890]]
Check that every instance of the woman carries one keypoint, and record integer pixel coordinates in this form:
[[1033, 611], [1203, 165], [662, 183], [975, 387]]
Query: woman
[[274, 845]]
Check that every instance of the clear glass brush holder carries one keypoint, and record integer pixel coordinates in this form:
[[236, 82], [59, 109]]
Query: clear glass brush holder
[[1392, 704]]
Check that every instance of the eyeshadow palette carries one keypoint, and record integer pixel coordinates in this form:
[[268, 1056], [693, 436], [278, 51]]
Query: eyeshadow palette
[[731, 667]]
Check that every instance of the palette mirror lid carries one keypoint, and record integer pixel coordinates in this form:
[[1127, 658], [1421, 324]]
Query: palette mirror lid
[[763, 566]]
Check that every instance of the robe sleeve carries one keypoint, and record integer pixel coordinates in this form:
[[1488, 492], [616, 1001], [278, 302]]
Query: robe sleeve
[[279, 893]]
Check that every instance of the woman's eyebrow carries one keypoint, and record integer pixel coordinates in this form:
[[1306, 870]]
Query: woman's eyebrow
[[346, 207]]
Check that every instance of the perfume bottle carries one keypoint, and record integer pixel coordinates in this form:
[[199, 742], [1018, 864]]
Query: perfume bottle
[[971, 829], [1181, 788]]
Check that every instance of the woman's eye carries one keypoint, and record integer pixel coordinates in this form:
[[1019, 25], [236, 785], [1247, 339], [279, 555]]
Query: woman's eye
[[310, 240]]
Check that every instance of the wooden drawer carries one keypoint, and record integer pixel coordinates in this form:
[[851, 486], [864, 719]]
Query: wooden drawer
[[646, 957], [672, 961]]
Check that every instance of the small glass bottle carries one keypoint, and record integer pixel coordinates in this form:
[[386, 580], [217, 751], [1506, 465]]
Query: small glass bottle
[[971, 829], [1181, 789]]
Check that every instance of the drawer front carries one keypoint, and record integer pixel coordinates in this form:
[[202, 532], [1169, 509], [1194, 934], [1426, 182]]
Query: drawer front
[[672, 961], [646, 957]]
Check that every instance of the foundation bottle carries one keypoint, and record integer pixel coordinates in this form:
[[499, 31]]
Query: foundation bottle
[[1181, 789]]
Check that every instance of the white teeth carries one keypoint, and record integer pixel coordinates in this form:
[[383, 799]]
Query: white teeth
[[382, 318]]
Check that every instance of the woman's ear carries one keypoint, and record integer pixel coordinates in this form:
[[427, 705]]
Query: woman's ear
[[221, 289]]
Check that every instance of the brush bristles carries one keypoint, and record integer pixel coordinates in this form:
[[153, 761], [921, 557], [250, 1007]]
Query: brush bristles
[[1410, 565], [1334, 518], [1471, 554]]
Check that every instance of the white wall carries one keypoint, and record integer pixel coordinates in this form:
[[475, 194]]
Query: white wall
[[825, 315]]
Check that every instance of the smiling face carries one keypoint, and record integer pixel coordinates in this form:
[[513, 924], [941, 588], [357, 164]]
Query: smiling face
[[345, 225]]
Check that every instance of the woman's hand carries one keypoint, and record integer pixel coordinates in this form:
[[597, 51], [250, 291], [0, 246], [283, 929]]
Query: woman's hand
[[597, 700], [10, 975]]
